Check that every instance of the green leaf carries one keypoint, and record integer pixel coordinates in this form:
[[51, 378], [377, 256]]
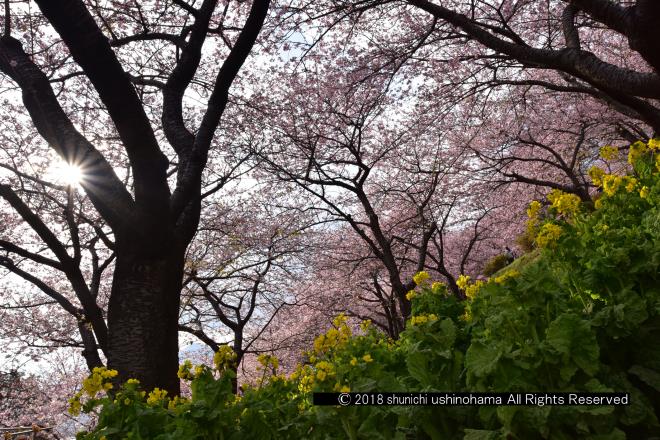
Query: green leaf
[[573, 337], [417, 363], [479, 434], [482, 359], [650, 377]]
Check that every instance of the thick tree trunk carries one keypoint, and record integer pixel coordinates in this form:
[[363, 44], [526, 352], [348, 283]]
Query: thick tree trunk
[[143, 317]]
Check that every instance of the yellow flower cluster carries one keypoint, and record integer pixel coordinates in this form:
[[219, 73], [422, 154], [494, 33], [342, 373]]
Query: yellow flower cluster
[[548, 235], [365, 325], [199, 369], [563, 202], [637, 150], [534, 209], [342, 388], [335, 337], [410, 295], [437, 286], [423, 319], [176, 401], [596, 175], [267, 360], [224, 358], [420, 277], [96, 381], [74, 405], [644, 192], [92, 385], [324, 370], [463, 281], [184, 371], [306, 381], [471, 290], [609, 152], [611, 184], [156, 397], [509, 274]]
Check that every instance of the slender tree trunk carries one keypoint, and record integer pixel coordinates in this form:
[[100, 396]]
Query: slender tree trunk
[[238, 349], [143, 317]]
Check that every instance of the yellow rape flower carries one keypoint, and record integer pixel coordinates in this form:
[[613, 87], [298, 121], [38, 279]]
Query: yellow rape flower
[[437, 286], [644, 192], [462, 281], [306, 383], [354, 361], [340, 320], [184, 371], [534, 209], [637, 150], [172, 404], [367, 358], [611, 184], [410, 295], [654, 144], [335, 337], [472, 290], [509, 274], [548, 235], [324, 370], [609, 152], [156, 396], [267, 360], [631, 183], [224, 358], [563, 202], [596, 175], [96, 381], [420, 277], [342, 388], [74, 405], [365, 325], [423, 319]]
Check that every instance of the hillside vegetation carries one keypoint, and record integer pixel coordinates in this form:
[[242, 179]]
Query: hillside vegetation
[[582, 315]]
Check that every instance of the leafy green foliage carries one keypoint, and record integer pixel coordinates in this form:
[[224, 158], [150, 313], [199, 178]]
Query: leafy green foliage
[[494, 264], [582, 315]]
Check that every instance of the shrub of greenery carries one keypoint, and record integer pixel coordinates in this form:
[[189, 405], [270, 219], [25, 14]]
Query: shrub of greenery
[[495, 264], [583, 315]]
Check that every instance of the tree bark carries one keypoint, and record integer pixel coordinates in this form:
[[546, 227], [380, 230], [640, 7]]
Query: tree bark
[[143, 317]]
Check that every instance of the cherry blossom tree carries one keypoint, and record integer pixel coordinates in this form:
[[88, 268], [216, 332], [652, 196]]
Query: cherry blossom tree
[[241, 271], [385, 138], [393, 179], [138, 63]]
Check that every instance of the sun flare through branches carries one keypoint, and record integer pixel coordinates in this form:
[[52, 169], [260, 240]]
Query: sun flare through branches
[[67, 173]]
